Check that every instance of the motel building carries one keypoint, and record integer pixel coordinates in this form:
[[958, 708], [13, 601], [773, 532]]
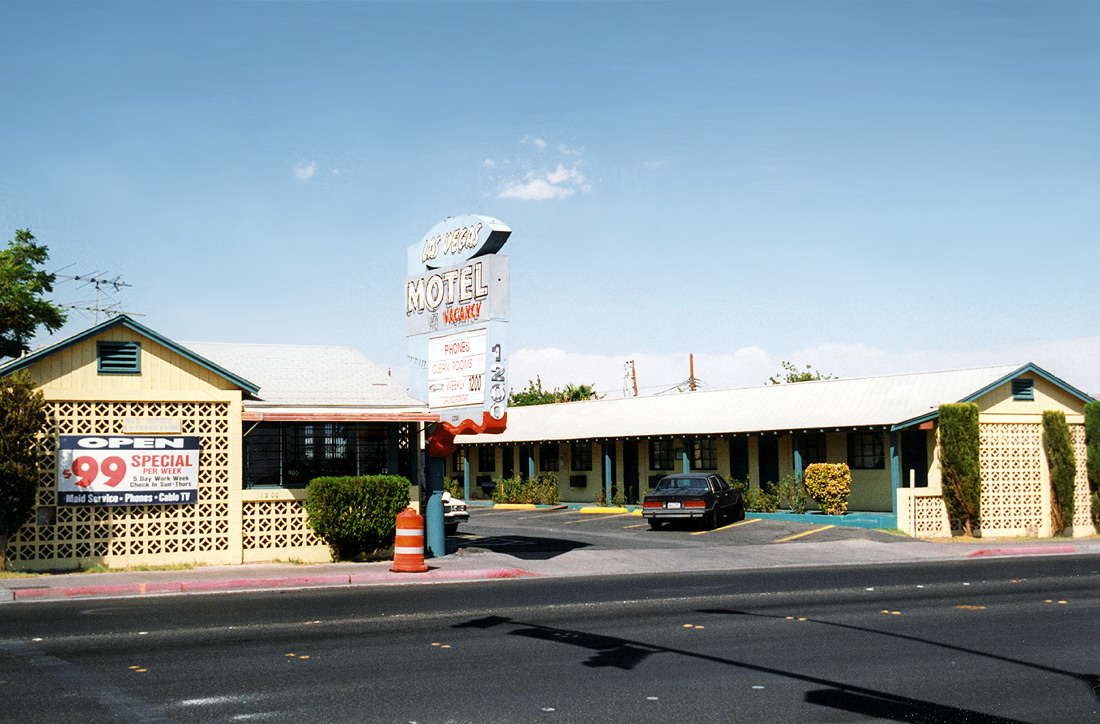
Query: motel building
[[884, 428], [158, 452]]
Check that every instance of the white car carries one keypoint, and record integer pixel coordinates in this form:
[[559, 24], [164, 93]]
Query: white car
[[454, 512]]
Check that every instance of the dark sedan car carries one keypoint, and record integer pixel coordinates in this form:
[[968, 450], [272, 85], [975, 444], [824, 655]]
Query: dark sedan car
[[701, 496]]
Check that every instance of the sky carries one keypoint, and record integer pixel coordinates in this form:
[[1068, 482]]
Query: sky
[[869, 187]]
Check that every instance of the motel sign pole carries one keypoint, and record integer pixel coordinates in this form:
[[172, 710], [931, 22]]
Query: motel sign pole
[[456, 314]]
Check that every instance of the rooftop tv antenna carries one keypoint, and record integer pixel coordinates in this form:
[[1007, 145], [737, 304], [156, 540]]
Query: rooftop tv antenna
[[103, 302]]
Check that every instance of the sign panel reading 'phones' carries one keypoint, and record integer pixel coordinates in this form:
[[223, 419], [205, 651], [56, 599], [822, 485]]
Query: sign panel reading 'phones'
[[127, 470]]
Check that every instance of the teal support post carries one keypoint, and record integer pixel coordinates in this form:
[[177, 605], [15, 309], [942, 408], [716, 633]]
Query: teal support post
[[606, 473], [435, 539], [531, 464], [466, 474], [685, 455], [895, 472], [796, 443]]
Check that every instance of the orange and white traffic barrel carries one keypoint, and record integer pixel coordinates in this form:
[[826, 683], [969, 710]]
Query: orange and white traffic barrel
[[408, 543]]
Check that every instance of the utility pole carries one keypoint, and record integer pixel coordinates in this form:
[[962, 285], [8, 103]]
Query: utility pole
[[633, 376], [691, 371]]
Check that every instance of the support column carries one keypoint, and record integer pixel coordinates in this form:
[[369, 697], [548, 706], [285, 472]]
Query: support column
[[895, 472]]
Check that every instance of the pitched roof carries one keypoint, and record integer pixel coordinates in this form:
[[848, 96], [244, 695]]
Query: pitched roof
[[304, 382], [888, 402], [123, 321]]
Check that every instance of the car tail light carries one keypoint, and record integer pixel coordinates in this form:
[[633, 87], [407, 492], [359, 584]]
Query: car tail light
[[695, 504], [652, 504]]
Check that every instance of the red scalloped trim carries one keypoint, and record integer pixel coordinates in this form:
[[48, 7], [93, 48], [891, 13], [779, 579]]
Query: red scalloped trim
[[442, 442]]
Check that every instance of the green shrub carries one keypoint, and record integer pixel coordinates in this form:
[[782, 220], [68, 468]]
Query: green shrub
[[1063, 468], [760, 501], [457, 488], [542, 490], [791, 491], [1096, 508], [829, 484], [1092, 444], [356, 516], [959, 465]]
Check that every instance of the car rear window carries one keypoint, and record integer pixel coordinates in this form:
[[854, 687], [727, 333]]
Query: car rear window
[[686, 484]]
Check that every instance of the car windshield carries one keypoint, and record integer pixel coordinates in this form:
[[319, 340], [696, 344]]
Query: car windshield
[[685, 484]]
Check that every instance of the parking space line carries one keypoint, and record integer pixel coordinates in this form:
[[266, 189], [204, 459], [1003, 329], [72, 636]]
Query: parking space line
[[543, 514], [805, 532], [591, 518], [730, 525]]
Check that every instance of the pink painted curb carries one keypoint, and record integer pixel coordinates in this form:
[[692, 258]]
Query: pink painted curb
[[244, 584], [1022, 550]]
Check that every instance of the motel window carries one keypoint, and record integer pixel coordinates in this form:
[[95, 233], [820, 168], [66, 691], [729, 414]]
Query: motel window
[[865, 451], [704, 454], [812, 447], [486, 459], [580, 456], [661, 455], [290, 454], [458, 462], [548, 457]]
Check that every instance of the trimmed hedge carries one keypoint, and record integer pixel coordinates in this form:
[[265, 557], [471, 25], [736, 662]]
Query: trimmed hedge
[[356, 516], [1063, 468], [960, 444], [829, 485]]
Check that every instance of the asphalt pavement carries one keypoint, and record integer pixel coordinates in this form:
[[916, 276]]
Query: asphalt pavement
[[469, 562]]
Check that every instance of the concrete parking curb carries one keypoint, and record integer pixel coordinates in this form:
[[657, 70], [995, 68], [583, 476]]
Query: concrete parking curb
[[1022, 551]]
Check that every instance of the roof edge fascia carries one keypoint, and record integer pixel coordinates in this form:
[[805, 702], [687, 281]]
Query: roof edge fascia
[[124, 321]]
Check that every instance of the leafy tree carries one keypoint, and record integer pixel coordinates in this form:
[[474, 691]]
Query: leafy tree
[[960, 444], [793, 373], [1063, 467], [22, 308], [534, 394], [22, 418]]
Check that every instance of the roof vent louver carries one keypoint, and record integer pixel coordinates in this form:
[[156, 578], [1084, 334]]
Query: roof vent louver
[[118, 358], [1023, 389]]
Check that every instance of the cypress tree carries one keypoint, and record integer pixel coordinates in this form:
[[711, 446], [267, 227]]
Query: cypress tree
[[1063, 468], [959, 465]]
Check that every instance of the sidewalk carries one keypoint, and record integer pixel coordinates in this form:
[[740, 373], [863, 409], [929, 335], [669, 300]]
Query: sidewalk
[[474, 564]]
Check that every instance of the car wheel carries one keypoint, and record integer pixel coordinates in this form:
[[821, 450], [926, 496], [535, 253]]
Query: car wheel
[[739, 511], [655, 524], [710, 520], [450, 528]]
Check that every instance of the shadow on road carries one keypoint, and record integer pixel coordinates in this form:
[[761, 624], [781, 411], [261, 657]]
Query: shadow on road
[[528, 548]]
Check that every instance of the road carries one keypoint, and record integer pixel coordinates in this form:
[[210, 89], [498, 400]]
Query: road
[[1000, 640]]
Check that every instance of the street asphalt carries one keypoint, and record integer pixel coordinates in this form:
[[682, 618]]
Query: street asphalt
[[470, 563]]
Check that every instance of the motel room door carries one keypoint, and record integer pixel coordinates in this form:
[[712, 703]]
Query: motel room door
[[630, 470]]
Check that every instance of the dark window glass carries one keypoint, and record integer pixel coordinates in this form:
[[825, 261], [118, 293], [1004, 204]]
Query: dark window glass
[[486, 459], [661, 455], [865, 451], [580, 456], [548, 457], [290, 454], [812, 447], [704, 454]]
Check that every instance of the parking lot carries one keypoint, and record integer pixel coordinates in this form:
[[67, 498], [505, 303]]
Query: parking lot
[[544, 532]]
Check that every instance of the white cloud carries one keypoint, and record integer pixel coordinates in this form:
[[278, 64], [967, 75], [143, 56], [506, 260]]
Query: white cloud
[[557, 184], [488, 163], [536, 142], [304, 170]]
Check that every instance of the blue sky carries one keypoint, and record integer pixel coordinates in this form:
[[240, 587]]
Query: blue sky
[[867, 186]]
